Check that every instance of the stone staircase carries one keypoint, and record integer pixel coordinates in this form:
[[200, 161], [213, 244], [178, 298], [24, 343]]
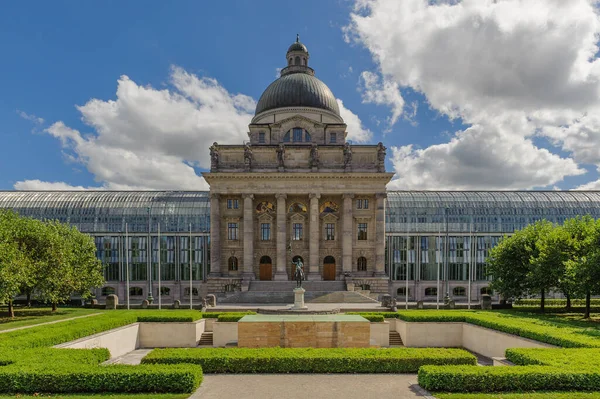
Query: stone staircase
[[206, 339], [395, 339], [281, 292]]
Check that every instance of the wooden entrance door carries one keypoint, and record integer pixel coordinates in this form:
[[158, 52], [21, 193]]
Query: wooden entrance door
[[329, 268], [265, 268]]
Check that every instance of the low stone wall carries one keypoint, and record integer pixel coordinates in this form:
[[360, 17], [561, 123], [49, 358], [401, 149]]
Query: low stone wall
[[170, 335], [485, 341], [119, 341], [380, 334], [224, 333], [208, 324]]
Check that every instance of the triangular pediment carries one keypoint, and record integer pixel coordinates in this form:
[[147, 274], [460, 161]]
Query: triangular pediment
[[330, 217], [299, 120], [265, 217], [297, 217]]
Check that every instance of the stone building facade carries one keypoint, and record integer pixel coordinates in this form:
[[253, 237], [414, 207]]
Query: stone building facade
[[297, 189]]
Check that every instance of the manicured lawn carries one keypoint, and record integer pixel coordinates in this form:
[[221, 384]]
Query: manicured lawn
[[99, 396], [31, 316], [534, 395]]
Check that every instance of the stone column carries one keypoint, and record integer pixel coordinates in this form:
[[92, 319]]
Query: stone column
[[315, 236], [215, 236], [347, 233], [281, 270], [380, 235], [248, 272]]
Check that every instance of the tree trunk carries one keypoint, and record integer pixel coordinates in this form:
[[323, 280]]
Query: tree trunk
[[53, 307], [568, 301], [11, 309], [28, 299], [588, 305], [543, 300]]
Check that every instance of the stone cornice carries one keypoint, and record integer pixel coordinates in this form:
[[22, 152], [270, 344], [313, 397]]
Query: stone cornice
[[297, 175]]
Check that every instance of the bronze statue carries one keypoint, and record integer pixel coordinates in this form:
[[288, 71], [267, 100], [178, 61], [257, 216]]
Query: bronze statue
[[299, 272]]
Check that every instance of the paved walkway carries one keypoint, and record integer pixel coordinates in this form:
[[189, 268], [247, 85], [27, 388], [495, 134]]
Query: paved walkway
[[48, 322], [132, 358], [313, 386]]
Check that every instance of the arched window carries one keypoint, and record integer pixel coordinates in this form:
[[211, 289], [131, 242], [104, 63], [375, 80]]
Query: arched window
[[303, 61], [165, 291], [402, 291], [329, 260], [431, 291], [459, 291], [297, 60], [361, 264], [107, 291], [290, 63], [286, 138], [232, 264], [307, 136], [486, 291], [136, 291], [265, 206], [297, 135]]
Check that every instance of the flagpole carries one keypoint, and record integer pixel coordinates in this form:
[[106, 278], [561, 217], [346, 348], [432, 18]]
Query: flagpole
[[439, 256], [190, 261], [127, 264], [159, 288], [470, 263]]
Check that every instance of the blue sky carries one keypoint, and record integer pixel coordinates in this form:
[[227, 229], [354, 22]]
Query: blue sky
[[62, 54]]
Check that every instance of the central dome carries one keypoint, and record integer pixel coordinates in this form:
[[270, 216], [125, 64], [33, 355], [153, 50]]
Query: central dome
[[297, 90]]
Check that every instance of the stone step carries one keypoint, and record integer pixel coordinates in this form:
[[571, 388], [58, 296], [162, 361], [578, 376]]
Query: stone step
[[395, 339], [206, 339], [287, 297], [288, 286]]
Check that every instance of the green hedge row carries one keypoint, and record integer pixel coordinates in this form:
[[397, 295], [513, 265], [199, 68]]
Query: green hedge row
[[554, 302], [385, 315], [29, 365], [311, 360], [230, 317], [374, 318], [537, 369], [215, 315], [165, 319]]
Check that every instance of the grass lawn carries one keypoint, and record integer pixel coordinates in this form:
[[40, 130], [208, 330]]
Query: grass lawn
[[99, 396], [534, 395], [31, 316]]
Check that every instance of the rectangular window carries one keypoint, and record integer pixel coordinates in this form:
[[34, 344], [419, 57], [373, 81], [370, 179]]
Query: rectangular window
[[333, 137], [261, 138], [329, 231], [265, 231], [232, 231], [362, 231], [297, 135], [232, 204], [297, 232], [362, 204]]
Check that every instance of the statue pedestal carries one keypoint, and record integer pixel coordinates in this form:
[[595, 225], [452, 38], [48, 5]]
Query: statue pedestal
[[299, 299]]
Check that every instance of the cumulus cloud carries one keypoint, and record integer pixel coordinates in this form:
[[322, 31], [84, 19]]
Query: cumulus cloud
[[511, 69], [30, 117], [154, 139], [381, 91], [47, 186], [357, 132]]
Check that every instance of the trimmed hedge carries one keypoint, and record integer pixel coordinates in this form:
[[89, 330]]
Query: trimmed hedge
[[231, 317], [310, 360], [215, 315], [555, 302], [167, 319], [385, 315], [374, 318], [28, 365]]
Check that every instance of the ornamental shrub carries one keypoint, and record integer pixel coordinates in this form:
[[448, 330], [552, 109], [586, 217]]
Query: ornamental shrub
[[215, 315], [310, 360], [165, 319]]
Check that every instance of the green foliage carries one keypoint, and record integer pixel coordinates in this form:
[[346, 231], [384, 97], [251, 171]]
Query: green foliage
[[230, 317], [374, 318], [215, 315], [310, 360], [548, 329], [539, 369], [555, 302], [519, 395], [385, 315], [25, 365], [185, 316]]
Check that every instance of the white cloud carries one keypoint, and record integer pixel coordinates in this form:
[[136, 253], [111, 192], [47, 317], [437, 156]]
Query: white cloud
[[45, 186], [356, 130], [30, 117], [512, 69], [152, 139], [382, 92]]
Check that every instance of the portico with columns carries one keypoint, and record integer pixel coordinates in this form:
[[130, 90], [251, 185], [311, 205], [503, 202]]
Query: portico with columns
[[297, 189]]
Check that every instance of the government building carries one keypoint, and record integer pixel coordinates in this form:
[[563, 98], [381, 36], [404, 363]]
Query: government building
[[297, 190]]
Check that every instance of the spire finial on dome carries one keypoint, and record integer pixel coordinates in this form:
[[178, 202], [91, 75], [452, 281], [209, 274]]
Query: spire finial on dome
[[297, 38]]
